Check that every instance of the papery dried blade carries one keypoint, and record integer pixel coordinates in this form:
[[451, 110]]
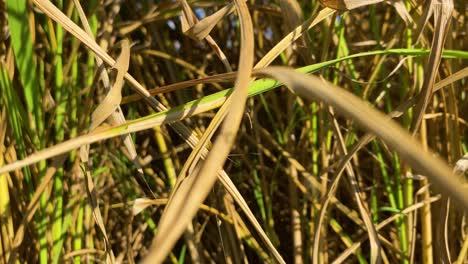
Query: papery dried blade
[[422, 22], [402, 12], [114, 96], [442, 18], [187, 18], [202, 29], [348, 4]]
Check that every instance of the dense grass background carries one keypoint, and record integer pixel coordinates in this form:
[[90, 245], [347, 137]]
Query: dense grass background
[[286, 155]]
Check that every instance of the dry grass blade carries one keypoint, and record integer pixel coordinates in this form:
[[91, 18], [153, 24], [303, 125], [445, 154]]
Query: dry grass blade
[[293, 36], [348, 4], [394, 114], [202, 29], [194, 189], [373, 121], [463, 73], [141, 204], [112, 100], [428, 10], [402, 12], [188, 20], [442, 17]]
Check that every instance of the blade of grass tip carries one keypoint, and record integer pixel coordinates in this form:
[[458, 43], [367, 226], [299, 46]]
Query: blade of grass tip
[[442, 16], [373, 121], [117, 116], [187, 200]]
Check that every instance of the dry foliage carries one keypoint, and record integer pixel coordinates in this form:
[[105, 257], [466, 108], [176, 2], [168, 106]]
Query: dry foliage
[[252, 173]]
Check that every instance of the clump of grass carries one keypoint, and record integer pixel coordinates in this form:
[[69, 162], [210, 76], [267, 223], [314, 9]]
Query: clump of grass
[[371, 92]]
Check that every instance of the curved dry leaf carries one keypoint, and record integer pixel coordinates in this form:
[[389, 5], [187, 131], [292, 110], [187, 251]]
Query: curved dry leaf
[[402, 12], [373, 121], [188, 20], [114, 96], [422, 22], [202, 29], [141, 204]]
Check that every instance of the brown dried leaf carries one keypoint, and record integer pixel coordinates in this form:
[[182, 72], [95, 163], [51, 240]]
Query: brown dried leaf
[[202, 29], [293, 36], [442, 17], [348, 4], [113, 98]]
